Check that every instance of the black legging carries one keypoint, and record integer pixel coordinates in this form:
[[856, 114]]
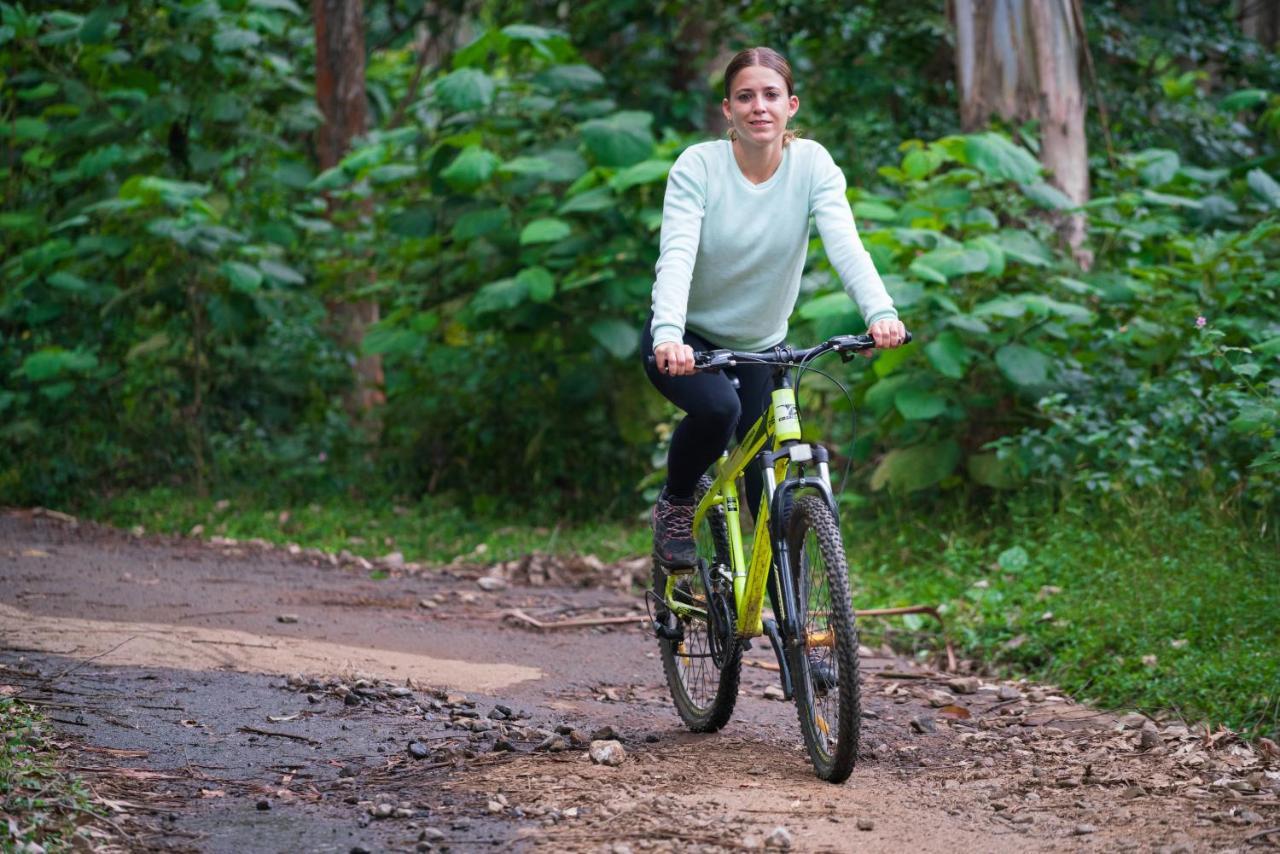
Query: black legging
[[714, 411]]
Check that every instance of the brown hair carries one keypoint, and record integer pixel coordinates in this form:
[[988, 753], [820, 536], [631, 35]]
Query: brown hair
[[769, 58]]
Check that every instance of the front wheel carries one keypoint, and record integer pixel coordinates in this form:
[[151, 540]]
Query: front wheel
[[824, 664]]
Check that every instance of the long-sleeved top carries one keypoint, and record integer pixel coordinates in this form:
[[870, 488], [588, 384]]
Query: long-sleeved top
[[732, 252]]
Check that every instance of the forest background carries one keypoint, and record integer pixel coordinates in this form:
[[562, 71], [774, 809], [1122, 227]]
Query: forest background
[[373, 277]]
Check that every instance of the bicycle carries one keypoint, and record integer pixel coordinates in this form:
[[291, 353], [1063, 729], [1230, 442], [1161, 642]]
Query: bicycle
[[707, 614]]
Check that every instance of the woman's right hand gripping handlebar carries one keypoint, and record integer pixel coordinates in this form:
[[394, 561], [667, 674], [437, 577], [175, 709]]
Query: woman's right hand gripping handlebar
[[673, 360]]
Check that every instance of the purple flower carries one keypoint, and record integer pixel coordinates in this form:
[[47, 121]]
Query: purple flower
[[1200, 322]]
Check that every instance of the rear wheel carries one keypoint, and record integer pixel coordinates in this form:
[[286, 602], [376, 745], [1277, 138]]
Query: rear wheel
[[825, 665], [701, 656]]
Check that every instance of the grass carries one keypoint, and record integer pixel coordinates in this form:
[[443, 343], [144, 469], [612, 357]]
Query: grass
[[39, 803], [1152, 607], [1158, 606]]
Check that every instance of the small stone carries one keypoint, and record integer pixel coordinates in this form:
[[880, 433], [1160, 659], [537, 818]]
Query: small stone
[[868, 714], [1008, 692], [607, 753], [502, 745], [1149, 739], [394, 560], [553, 744], [264, 805], [652, 738], [773, 692], [938, 699], [313, 698], [923, 724], [494, 807], [426, 604], [578, 738], [866, 824], [571, 812], [606, 733], [418, 750], [780, 838], [287, 618], [348, 771], [400, 691], [431, 834], [964, 685], [351, 699], [1083, 830], [381, 810], [1133, 720], [1035, 696], [491, 583]]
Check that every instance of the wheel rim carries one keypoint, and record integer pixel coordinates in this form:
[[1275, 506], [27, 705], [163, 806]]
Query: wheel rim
[[693, 656], [814, 592]]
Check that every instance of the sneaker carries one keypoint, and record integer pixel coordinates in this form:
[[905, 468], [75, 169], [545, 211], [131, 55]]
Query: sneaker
[[673, 533], [823, 675]]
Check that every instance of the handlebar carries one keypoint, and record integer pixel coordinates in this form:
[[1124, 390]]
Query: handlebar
[[845, 345]]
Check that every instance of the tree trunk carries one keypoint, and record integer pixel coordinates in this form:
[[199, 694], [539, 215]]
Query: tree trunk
[[340, 93], [1260, 20], [1020, 60]]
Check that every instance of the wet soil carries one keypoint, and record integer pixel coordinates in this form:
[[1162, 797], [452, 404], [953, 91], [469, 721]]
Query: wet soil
[[368, 720]]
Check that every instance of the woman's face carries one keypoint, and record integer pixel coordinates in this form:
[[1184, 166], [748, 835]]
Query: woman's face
[[758, 105]]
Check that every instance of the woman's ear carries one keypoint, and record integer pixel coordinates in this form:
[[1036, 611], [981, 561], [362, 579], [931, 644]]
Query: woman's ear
[[724, 108], [795, 106]]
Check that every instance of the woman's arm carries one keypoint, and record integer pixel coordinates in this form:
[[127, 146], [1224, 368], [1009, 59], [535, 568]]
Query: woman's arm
[[682, 212], [851, 261]]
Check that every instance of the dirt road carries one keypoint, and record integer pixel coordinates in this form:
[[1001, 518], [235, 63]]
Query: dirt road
[[237, 698]]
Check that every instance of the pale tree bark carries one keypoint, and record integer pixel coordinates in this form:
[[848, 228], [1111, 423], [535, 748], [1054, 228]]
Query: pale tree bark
[[1260, 20], [1020, 60], [340, 93]]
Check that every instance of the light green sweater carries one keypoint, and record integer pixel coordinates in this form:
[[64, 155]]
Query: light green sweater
[[732, 252]]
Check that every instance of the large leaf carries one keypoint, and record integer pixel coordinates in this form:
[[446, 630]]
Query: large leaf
[[646, 172], [1157, 166], [1023, 365], [546, 230], [472, 167], [914, 468], [501, 295], [571, 78], [55, 362], [1024, 247], [1245, 99], [235, 39], [242, 277], [995, 156], [479, 223], [917, 404], [989, 470], [621, 139], [538, 283], [465, 89], [835, 304], [948, 355], [1264, 187], [617, 336], [599, 199], [950, 262], [1047, 196]]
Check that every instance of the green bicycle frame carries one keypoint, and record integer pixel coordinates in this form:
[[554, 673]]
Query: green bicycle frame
[[779, 425]]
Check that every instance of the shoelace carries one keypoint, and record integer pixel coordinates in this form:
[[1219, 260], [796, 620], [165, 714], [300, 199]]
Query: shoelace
[[679, 518]]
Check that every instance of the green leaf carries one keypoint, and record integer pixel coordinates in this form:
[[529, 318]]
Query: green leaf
[[330, 179], [532, 166], [917, 404], [465, 89], [418, 221], [994, 253], [94, 28], [1025, 248], [919, 162], [924, 271], [480, 223], [1014, 559], [1157, 166], [55, 362], [502, 295], [619, 337], [988, 469], [1047, 196], [835, 304], [1023, 365], [599, 199], [917, 467], [281, 273], [545, 230], [950, 262], [1264, 187], [234, 39], [529, 32], [571, 78], [647, 172], [391, 341], [538, 283], [472, 167], [1000, 307], [903, 292], [621, 139], [150, 345], [1245, 99], [392, 173], [242, 277], [948, 355], [876, 211], [995, 156], [69, 282], [26, 127], [277, 6]]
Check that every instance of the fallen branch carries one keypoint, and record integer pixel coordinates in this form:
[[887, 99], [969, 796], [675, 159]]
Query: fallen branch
[[234, 643], [1261, 833], [916, 609], [898, 674], [302, 738], [577, 622]]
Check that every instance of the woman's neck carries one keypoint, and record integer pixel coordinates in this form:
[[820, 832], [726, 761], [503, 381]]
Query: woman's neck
[[756, 163]]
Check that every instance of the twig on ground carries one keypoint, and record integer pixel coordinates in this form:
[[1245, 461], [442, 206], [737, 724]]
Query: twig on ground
[[235, 643], [578, 622], [1260, 834], [898, 674], [931, 610], [289, 735]]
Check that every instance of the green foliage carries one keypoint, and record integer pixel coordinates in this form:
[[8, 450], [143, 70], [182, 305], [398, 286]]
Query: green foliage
[[44, 805], [1128, 603]]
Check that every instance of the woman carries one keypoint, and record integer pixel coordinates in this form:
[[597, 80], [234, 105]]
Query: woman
[[735, 230]]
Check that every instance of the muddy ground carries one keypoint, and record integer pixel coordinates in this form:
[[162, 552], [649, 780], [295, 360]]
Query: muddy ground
[[232, 697]]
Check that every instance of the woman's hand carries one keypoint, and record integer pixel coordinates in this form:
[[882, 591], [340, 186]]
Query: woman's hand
[[888, 333], [674, 360]]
